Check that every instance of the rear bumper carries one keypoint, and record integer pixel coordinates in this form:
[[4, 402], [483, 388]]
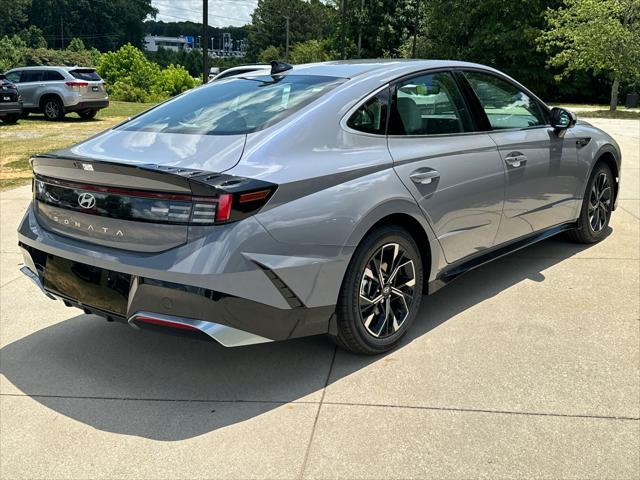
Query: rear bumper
[[87, 105], [209, 283], [10, 107]]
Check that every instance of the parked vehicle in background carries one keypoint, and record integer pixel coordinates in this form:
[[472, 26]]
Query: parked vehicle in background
[[242, 69], [316, 199], [10, 101], [56, 91]]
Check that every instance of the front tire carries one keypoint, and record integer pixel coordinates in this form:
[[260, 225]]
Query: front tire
[[597, 206], [53, 109], [381, 292]]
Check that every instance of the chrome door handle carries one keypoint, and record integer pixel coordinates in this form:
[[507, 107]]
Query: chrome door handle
[[424, 177], [515, 159]]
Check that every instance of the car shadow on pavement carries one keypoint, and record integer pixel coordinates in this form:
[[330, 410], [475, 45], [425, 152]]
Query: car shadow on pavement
[[163, 387]]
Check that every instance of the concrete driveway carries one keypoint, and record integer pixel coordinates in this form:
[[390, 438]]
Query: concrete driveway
[[525, 368]]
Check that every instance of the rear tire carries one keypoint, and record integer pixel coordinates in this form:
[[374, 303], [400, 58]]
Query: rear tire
[[373, 313], [53, 109], [597, 206], [11, 118], [87, 114]]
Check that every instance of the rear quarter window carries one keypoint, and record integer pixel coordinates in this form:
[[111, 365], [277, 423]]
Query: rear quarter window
[[53, 76]]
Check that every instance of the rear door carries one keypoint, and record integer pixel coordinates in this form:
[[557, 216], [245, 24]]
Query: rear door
[[541, 167], [454, 172], [89, 84]]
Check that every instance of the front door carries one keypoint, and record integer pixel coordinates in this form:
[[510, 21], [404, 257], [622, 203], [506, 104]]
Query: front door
[[30, 82], [455, 174], [542, 171]]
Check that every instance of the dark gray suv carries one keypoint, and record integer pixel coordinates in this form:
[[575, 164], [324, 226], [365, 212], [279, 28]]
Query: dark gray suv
[[56, 91]]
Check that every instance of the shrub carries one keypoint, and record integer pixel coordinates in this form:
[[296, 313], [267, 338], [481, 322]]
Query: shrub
[[309, 52], [174, 80], [268, 54]]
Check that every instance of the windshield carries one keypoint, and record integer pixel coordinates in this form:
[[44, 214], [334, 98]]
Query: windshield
[[234, 106]]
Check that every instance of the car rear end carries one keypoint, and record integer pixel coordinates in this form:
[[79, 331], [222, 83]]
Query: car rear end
[[10, 100], [85, 90], [145, 223]]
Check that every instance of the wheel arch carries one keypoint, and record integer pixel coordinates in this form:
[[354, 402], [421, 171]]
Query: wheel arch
[[48, 95], [609, 156], [408, 216]]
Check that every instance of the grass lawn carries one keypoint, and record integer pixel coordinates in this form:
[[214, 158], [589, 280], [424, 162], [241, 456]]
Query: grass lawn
[[36, 135], [600, 111]]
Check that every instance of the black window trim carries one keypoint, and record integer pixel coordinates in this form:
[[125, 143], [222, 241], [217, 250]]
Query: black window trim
[[360, 103], [475, 101], [430, 71]]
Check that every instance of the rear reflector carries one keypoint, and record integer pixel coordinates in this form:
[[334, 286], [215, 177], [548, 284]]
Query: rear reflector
[[166, 323], [254, 196]]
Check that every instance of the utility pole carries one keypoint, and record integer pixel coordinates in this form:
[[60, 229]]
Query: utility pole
[[205, 41], [415, 29], [61, 33], [342, 29], [360, 31], [286, 51]]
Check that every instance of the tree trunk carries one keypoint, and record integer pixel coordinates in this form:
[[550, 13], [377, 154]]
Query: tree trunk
[[614, 95]]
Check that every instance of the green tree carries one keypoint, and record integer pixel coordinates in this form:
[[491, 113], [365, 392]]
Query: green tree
[[601, 36], [11, 52], [309, 51], [308, 20], [493, 32], [103, 24], [76, 45], [13, 16], [33, 37], [270, 53]]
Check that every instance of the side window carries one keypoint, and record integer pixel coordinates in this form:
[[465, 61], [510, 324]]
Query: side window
[[429, 105], [371, 116], [13, 77], [31, 76], [52, 76], [506, 105]]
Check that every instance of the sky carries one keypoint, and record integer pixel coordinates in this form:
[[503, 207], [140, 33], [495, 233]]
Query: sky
[[222, 13]]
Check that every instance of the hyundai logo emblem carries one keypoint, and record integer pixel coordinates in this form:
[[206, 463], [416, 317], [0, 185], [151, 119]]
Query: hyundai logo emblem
[[86, 201]]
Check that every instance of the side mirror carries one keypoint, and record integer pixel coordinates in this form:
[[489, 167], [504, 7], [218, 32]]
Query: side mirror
[[561, 119]]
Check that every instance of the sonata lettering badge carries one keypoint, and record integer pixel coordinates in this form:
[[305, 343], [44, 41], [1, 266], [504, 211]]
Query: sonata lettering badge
[[115, 232]]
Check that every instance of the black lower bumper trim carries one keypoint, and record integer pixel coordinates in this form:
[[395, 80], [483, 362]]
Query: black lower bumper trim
[[118, 296], [88, 105]]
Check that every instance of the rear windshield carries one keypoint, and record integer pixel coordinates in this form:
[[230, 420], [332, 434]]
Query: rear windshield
[[87, 74], [234, 106]]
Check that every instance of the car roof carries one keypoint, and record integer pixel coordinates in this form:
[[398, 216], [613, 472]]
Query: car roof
[[355, 68], [53, 67]]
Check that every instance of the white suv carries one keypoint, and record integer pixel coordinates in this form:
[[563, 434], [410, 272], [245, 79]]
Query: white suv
[[55, 91]]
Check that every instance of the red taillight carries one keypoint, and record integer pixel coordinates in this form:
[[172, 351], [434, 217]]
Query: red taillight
[[77, 84], [224, 207]]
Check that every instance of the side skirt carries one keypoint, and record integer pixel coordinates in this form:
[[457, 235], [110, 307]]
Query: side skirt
[[453, 271]]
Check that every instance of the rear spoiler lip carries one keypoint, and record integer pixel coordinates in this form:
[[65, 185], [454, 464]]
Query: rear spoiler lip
[[197, 182]]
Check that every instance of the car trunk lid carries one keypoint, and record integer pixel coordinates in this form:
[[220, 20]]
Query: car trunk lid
[[131, 205]]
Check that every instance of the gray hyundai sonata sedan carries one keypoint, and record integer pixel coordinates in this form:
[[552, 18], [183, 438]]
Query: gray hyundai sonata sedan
[[316, 199]]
